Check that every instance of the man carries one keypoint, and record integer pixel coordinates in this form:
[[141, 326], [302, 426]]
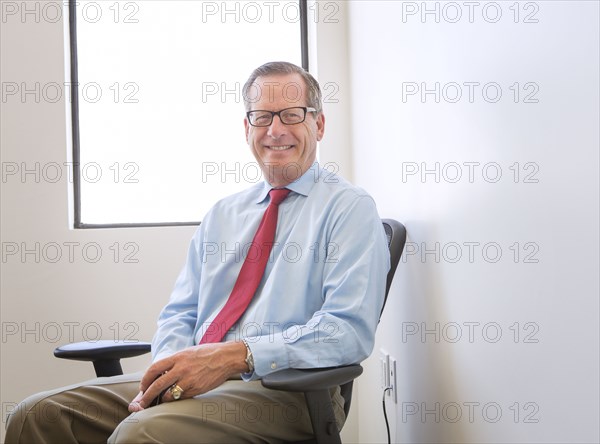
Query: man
[[316, 304]]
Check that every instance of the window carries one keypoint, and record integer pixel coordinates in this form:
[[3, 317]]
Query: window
[[158, 110]]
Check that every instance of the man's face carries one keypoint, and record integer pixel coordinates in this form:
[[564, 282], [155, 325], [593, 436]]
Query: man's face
[[284, 152]]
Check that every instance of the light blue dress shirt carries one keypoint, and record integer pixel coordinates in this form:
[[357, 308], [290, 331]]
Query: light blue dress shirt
[[319, 301]]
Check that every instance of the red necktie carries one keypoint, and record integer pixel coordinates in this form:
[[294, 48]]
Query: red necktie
[[251, 273]]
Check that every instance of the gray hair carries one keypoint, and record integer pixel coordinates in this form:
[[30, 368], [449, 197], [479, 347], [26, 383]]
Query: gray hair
[[313, 93]]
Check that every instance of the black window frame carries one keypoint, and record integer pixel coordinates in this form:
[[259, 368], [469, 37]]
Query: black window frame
[[77, 224]]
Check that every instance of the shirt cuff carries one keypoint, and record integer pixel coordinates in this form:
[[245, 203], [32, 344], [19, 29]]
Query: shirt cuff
[[269, 354]]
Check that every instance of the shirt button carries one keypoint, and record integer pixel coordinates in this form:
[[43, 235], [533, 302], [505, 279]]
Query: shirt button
[[273, 365]]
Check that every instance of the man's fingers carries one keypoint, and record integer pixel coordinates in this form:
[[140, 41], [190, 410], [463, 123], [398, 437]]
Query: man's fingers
[[134, 405], [157, 388], [154, 372], [160, 388]]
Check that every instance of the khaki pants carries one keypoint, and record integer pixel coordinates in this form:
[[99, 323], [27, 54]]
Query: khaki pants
[[96, 412]]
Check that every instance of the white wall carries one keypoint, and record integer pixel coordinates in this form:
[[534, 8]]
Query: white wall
[[558, 296]]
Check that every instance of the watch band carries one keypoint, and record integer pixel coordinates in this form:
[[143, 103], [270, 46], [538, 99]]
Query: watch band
[[249, 358]]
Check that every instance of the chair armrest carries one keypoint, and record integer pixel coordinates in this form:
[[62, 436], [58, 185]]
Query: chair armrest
[[105, 354], [316, 383], [302, 380], [101, 350]]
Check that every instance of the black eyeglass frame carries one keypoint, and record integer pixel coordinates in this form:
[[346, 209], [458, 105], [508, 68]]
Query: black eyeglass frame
[[306, 109]]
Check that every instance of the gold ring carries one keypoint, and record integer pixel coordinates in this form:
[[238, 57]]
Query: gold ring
[[176, 391]]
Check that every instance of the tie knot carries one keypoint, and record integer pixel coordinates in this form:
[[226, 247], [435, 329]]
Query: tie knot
[[278, 195]]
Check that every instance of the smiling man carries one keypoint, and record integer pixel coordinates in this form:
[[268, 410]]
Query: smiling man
[[306, 292], [285, 147]]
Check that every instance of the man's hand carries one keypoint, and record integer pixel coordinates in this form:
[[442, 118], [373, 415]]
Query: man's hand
[[196, 370]]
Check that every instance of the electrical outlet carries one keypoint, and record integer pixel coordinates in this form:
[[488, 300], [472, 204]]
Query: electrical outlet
[[388, 374]]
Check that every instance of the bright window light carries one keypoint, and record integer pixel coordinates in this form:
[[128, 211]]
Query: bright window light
[[160, 102]]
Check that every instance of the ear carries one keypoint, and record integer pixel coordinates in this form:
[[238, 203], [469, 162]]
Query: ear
[[320, 126], [246, 127]]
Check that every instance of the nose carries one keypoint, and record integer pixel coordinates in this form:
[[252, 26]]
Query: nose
[[277, 128]]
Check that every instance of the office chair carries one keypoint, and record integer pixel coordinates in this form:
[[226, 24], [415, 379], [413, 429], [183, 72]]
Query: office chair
[[314, 383]]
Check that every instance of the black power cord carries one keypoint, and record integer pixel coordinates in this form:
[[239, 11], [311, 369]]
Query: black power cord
[[387, 424]]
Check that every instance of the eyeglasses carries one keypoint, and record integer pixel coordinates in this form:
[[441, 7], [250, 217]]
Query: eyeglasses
[[288, 116]]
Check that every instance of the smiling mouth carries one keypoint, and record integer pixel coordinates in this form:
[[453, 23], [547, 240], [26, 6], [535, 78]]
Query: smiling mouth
[[279, 148]]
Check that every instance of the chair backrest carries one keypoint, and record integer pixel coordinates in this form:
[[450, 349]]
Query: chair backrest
[[396, 238]]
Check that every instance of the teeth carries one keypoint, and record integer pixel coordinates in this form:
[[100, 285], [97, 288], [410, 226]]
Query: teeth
[[280, 148]]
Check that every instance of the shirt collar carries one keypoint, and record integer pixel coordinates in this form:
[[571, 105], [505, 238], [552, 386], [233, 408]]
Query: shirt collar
[[302, 185]]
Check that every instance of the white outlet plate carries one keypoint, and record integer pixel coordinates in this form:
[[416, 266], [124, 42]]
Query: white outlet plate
[[388, 374]]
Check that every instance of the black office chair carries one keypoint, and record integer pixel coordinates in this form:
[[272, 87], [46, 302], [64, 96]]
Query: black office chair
[[314, 383]]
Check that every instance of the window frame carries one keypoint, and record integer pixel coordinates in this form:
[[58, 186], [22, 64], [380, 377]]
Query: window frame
[[76, 146]]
